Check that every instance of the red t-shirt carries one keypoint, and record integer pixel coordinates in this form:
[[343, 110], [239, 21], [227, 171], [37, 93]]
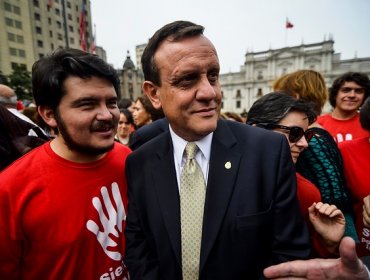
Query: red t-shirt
[[63, 220], [356, 162], [307, 194], [343, 130]]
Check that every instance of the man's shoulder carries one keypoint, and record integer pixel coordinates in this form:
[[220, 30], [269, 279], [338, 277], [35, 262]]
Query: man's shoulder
[[148, 132], [26, 163], [245, 132]]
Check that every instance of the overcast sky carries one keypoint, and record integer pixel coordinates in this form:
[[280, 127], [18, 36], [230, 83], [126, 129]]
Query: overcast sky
[[235, 26]]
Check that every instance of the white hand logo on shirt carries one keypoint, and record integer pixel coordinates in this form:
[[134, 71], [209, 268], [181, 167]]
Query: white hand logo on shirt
[[110, 222]]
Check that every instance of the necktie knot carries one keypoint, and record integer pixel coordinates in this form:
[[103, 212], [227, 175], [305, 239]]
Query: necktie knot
[[191, 150]]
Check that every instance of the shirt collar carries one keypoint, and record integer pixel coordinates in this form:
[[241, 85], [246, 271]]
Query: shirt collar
[[179, 145]]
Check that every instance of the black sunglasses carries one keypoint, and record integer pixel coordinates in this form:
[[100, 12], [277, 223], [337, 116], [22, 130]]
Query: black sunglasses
[[295, 132]]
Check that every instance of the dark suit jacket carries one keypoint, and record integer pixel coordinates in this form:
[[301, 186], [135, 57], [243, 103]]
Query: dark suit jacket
[[251, 216], [147, 132]]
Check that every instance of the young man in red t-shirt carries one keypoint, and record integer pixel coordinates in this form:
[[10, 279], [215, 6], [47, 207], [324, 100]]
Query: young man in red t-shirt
[[346, 96], [63, 205]]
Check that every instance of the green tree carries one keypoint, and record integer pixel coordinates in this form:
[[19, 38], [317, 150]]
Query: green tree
[[20, 82], [3, 79]]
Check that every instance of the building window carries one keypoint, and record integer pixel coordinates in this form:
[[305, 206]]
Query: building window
[[13, 51], [70, 28], [9, 22], [40, 44], [259, 75], [36, 3], [57, 12], [72, 40], [222, 105], [37, 16], [238, 94], [238, 104], [59, 24], [21, 53], [11, 37], [20, 39], [18, 24], [60, 36], [41, 55], [259, 92], [69, 4], [38, 30], [7, 7], [69, 16], [52, 46], [16, 10], [51, 34], [49, 21]]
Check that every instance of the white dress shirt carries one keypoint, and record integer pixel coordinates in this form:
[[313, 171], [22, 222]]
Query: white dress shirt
[[202, 156]]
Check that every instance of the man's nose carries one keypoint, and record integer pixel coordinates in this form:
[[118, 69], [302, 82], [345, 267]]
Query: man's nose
[[104, 113], [206, 89]]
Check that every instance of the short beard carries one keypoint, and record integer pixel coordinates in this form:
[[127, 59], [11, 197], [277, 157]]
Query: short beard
[[73, 145]]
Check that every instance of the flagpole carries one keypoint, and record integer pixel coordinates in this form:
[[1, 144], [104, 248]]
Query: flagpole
[[286, 35]]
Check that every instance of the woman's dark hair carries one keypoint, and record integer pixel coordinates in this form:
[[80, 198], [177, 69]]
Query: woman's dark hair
[[124, 103], [154, 113], [128, 116], [356, 77], [50, 72], [273, 107]]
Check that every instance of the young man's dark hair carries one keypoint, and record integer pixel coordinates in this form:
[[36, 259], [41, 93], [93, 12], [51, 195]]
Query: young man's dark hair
[[50, 72], [359, 78]]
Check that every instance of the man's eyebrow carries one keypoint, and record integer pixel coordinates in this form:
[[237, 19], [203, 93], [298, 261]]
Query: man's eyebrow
[[79, 101]]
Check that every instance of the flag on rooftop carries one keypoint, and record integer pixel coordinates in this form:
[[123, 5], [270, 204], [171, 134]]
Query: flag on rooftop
[[288, 24]]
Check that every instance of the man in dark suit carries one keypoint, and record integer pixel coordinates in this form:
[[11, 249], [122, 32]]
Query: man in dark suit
[[251, 217]]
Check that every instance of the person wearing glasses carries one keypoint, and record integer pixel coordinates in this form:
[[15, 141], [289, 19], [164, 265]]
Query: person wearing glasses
[[285, 114], [321, 163], [346, 95]]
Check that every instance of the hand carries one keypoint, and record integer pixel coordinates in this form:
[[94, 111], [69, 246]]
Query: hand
[[110, 223], [347, 267], [366, 211], [329, 223]]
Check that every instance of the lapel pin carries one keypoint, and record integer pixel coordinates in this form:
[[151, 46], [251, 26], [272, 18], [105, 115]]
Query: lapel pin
[[228, 165]]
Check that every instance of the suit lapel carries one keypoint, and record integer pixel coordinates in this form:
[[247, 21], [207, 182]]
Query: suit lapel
[[165, 184], [224, 164]]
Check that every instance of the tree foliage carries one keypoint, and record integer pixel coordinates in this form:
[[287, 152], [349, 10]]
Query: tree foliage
[[20, 82], [3, 79]]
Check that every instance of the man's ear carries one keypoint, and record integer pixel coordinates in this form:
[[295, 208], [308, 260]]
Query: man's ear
[[48, 115], [151, 90]]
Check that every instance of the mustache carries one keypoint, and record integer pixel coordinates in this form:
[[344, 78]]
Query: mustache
[[103, 125]]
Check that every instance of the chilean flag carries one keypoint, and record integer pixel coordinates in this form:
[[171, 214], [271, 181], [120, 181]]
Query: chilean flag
[[288, 24]]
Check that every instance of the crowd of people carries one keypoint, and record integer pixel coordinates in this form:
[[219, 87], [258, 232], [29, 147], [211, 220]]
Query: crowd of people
[[169, 187]]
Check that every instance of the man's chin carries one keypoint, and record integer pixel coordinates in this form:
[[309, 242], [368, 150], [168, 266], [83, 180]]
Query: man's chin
[[92, 150]]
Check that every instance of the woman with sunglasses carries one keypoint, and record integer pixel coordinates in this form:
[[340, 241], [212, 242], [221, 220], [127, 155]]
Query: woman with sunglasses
[[291, 117], [321, 163]]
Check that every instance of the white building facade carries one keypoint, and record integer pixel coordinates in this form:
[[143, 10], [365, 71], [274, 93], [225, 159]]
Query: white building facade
[[260, 69]]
